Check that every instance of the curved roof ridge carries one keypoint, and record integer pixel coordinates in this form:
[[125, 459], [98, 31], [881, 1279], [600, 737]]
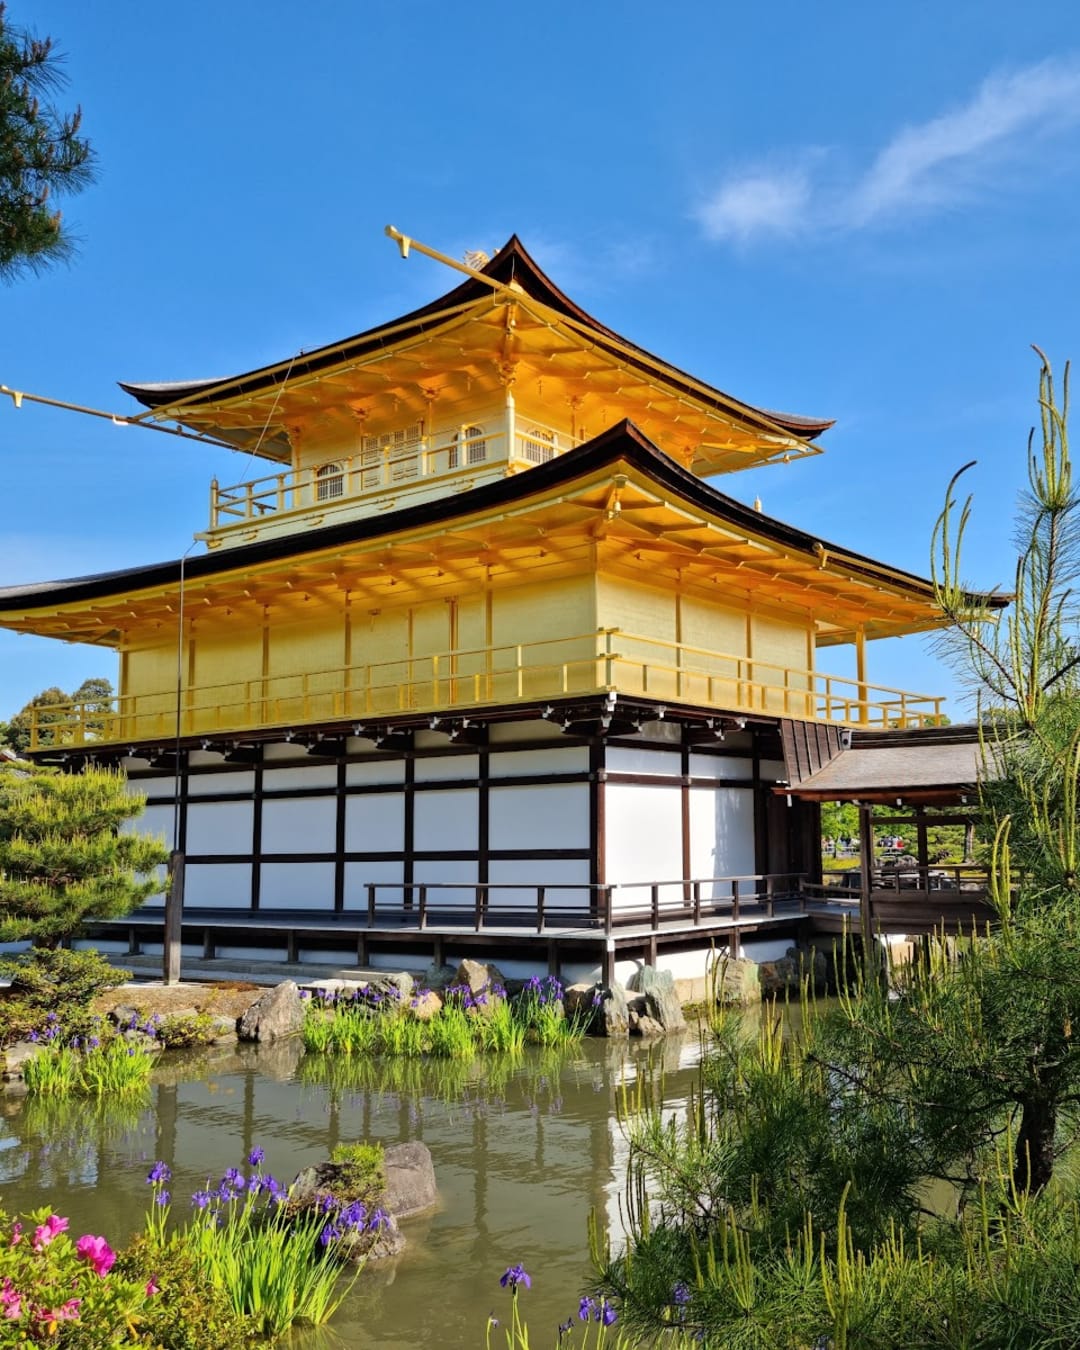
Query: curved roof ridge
[[511, 264]]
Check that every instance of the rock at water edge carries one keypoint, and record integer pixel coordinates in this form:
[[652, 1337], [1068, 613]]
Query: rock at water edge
[[277, 1014]]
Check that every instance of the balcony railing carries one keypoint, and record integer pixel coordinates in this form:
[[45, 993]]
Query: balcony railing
[[599, 662], [388, 464]]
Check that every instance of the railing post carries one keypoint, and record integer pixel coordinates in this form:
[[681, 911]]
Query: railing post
[[654, 895], [213, 503], [478, 916], [697, 904], [770, 896], [541, 892], [422, 912], [735, 900], [371, 904]]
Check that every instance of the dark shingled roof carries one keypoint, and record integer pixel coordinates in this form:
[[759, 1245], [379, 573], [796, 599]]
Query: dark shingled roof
[[901, 763], [512, 263], [624, 441]]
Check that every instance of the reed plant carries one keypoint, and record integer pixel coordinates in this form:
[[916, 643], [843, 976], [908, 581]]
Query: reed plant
[[104, 1069], [452, 1034], [280, 1264]]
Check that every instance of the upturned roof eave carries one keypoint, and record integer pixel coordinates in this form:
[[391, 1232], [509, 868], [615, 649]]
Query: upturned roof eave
[[512, 264], [623, 442]]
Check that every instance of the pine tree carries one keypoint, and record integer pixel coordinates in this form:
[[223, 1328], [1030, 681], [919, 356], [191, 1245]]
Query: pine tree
[[64, 854], [41, 153]]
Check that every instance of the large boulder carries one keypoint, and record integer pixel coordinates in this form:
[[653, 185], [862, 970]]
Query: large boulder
[[603, 1008], [409, 1189], [778, 978], [662, 1005], [410, 1179], [279, 1013], [17, 1056], [425, 1004], [438, 977], [479, 977], [737, 981]]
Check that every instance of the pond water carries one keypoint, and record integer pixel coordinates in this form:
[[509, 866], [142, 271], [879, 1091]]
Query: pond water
[[523, 1150]]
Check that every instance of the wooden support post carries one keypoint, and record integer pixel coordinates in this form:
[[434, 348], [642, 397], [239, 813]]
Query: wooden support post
[[174, 915], [866, 881], [860, 675], [292, 947], [607, 963], [361, 950]]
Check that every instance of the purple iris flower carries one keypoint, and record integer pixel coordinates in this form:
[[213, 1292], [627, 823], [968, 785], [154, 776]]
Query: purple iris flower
[[159, 1172], [585, 1308], [256, 1156], [234, 1177], [162, 1198], [515, 1275]]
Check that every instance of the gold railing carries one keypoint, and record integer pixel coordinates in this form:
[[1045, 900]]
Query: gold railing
[[607, 660], [379, 469]]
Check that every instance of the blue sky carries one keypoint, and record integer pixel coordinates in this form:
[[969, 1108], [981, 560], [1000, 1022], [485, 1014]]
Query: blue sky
[[860, 211]]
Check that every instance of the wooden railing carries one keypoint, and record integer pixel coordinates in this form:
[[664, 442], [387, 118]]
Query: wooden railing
[[477, 906], [607, 660], [377, 469]]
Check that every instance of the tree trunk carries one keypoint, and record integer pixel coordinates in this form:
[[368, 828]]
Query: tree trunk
[[1034, 1164]]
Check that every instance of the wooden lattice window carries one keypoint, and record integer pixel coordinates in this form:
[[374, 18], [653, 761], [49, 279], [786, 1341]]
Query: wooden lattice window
[[329, 482], [475, 446]]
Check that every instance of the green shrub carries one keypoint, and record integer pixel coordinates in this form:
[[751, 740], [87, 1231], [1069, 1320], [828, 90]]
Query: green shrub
[[183, 1031], [188, 1312], [47, 980]]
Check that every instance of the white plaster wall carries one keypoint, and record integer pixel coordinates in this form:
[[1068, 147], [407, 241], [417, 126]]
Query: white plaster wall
[[152, 787], [358, 874], [155, 821], [628, 759], [375, 771], [297, 886], [375, 823], [449, 871], [301, 776], [299, 825], [201, 784], [220, 827], [445, 767], [445, 821], [566, 880], [765, 949], [522, 763], [219, 885], [643, 835], [721, 833], [556, 816], [720, 766]]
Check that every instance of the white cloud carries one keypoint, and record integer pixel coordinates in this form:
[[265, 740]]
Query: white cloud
[[925, 167], [761, 201]]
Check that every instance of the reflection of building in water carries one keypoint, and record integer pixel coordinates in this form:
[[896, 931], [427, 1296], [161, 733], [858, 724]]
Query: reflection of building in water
[[481, 662]]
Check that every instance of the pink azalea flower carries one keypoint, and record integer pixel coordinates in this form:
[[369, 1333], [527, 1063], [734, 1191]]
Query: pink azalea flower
[[11, 1300], [67, 1312], [152, 1287], [97, 1252], [16, 1234], [53, 1226]]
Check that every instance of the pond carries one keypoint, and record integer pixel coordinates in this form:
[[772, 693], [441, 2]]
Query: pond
[[523, 1149]]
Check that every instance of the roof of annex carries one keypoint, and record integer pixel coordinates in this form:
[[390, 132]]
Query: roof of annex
[[616, 504], [929, 765], [467, 346]]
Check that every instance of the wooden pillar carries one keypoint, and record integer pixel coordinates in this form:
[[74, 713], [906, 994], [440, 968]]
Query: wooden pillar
[[174, 914], [922, 847], [860, 674], [866, 858]]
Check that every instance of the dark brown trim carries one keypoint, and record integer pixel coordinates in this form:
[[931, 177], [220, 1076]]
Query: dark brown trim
[[256, 833], [339, 839]]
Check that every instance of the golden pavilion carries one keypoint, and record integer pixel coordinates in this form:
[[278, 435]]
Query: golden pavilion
[[479, 656]]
